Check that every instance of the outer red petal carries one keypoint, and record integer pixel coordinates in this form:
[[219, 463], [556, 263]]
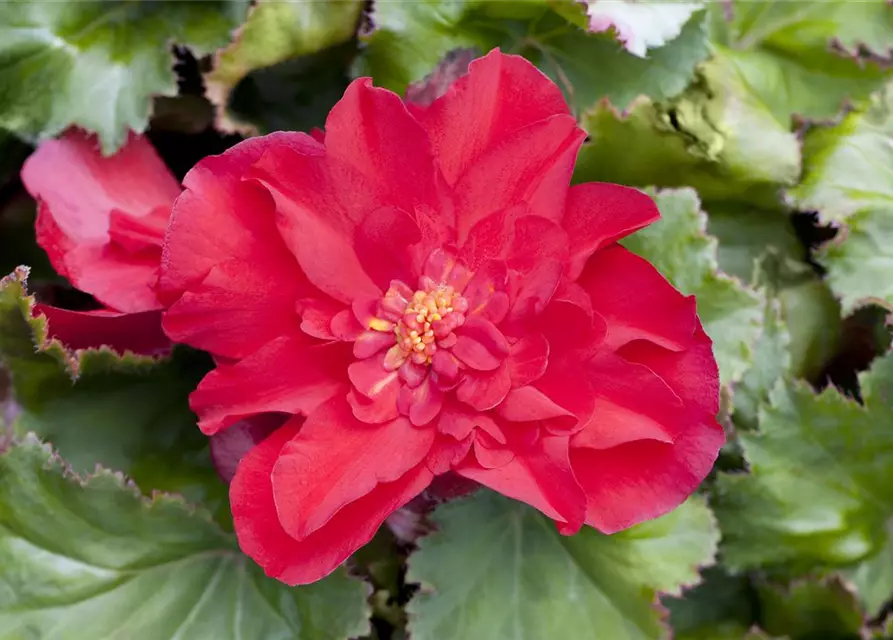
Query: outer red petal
[[234, 282], [499, 95], [531, 166], [292, 374], [638, 459], [371, 130], [235, 310], [630, 403], [336, 460], [384, 245], [636, 301], [597, 214], [641, 480], [79, 189], [311, 202], [137, 332], [262, 536], [540, 476], [693, 374], [121, 281]]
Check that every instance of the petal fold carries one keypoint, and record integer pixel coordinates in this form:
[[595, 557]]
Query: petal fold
[[262, 536], [335, 460]]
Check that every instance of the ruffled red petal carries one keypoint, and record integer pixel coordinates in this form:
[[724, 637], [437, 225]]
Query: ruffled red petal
[[540, 476], [294, 562], [336, 460], [292, 374], [137, 332], [79, 190], [499, 95], [627, 291], [234, 282], [644, 479], [598, 214]]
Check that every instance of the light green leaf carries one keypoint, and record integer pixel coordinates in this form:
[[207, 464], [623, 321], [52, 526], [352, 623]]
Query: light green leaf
[[716, 137], [97, 64], [678, 245], [810, 608], [771, 362], [783, 52], [277, 31], [410, 38], [640, 25], [860, 260], [497, 569], [848, 173], [160, 447], [820, 488], [848, 168], [83, 559], [873, 578], [749, 237]]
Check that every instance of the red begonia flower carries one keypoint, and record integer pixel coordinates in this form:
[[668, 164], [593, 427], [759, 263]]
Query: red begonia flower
[[425, 287], [101, 221]]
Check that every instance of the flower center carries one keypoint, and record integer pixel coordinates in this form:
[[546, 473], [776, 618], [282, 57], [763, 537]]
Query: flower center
[[429, 317]]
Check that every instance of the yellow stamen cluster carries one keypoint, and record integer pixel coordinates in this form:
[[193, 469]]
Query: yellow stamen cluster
[[416, 331]]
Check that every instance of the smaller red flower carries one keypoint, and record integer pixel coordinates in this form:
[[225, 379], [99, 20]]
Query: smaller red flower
[[101, 221]]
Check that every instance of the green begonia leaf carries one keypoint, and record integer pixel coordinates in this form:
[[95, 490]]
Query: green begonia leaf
[[848, 179], [90, 558], [408, 39], [721, 607], [274, 32], [811, 608], [873, 578], [782, 50], [97, 64], [640, 26], [79, 402], [497, 569], [678, 245], [820, 488], [761, 247], [716, 137]]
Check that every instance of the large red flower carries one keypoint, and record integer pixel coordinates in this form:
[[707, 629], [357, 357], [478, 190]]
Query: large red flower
[[425, 287], [101, 221]]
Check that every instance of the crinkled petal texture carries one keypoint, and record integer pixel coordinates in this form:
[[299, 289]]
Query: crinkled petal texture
[[425, 288], [101, 221]]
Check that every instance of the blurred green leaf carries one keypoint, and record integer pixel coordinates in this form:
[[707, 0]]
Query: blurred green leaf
[[820, 488], [873, 578], [716, 137], [721, 607], [811, 609], [408, 39], [848, 167], [782, 51], [295, 95], [678, 245], [848, 179], [97, 64], [129, 413], [761, 247], [275, 32], [87, 558], [497, 569]]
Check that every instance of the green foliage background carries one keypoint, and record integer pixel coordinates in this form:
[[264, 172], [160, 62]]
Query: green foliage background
[[764, 131]]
